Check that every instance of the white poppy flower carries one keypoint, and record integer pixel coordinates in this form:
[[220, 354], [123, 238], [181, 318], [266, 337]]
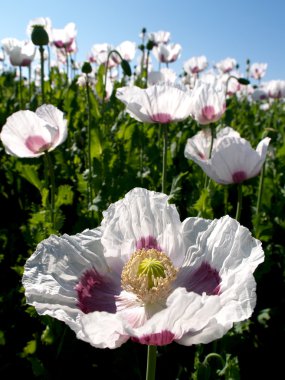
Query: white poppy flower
[[199, 145], [127, 50], [208, 102], [30, 134], [160, 37], [233, 160], [145, 275], [161, 103], [275, 88], [167, 53], [226, 65], [258, 70], [165, 75], [21, 53], [64, 38], [195, 65]]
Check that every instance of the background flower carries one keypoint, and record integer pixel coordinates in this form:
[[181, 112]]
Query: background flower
[[161, 103], [233, 160], [30, 134]]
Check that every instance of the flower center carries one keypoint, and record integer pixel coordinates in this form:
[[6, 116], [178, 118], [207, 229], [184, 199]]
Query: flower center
[[149, 274]]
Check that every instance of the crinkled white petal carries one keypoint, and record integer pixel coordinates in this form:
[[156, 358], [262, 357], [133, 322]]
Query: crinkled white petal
[[185, 312], [54, 117], [131, 309], [223, 243], [142, 213], [190, 317], [52, 272], [103, 330]]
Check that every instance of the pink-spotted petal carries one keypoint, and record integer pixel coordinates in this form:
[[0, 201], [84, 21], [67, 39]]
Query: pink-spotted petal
[[55, 269], [142, 214]]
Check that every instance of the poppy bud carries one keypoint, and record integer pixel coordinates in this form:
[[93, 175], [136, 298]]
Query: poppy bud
[[86, 68], [243, 81], [126, 67], [150, 44], [39, 35]]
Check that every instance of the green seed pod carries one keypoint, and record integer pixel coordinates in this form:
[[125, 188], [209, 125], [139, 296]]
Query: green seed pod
[[243, 81], [39, 35], [150, 44], [86, 68], [126, 67]]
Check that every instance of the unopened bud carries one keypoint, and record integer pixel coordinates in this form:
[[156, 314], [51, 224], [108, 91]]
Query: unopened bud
[[86, 68], [39, 35], [126, 67], [243, 81], [150, 44]]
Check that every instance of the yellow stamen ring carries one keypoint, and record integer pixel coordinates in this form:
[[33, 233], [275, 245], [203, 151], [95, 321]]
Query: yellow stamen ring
[[149, 274]]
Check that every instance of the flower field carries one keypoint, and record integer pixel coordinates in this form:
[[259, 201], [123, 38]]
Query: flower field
[[142, 227]]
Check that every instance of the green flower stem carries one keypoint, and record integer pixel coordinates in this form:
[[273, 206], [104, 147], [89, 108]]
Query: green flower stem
[[146, 67], [141, 134], [42, 73], [106, 70], [21, 89], [213, 136], [151, 363], [30, 82], [239, 201], [49, 166], [260, 190], [89, 159], [67, 66], [226, 197], [164, 157]]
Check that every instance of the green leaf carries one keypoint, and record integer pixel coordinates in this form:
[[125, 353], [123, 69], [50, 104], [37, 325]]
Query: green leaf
[[64, 196], [30, 348], [176, 187], [96, 146], [100, 81], [203, 204], [30, 173], [47, 336], [231, 369], [2, 338]]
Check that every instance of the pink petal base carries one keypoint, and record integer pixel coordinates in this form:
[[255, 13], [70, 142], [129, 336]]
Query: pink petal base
[[156, 339], [239, 177], [208, 113], [36, 144], [162, 118]]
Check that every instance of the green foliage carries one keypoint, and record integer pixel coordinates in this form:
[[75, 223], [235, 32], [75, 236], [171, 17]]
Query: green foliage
[[127, 154]]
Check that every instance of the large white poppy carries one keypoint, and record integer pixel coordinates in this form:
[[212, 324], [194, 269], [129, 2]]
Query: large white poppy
[[144, 275]]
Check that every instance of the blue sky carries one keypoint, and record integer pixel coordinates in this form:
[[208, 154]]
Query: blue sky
[[240, 29]]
